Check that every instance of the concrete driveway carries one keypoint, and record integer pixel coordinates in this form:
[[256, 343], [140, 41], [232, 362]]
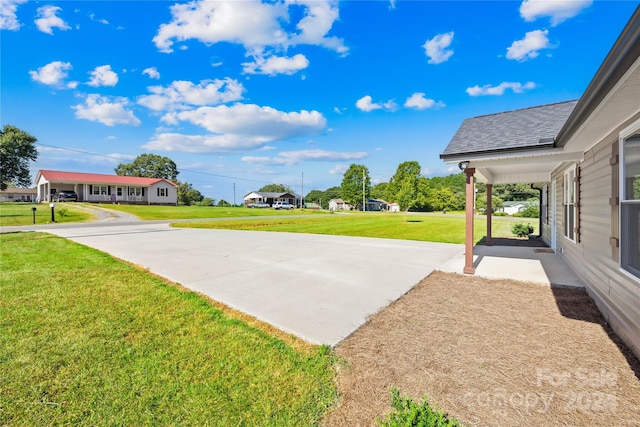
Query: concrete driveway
[[319, 288]]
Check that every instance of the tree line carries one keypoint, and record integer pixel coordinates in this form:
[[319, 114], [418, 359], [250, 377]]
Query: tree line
[[414, 192]]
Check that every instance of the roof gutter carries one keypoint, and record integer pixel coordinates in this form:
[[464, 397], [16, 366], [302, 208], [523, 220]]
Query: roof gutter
[[621, 57], [541, 146]]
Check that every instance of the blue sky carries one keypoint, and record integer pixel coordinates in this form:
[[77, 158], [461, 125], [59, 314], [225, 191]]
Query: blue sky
[[248, 93]]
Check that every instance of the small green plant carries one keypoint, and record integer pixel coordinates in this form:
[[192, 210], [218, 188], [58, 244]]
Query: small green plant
[[62, 212], [521, 230], [409, 414]]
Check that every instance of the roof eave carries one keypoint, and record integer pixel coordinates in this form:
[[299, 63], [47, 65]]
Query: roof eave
[[498, 153]]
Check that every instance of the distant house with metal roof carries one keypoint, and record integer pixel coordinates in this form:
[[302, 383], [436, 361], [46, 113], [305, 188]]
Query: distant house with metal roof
[[102, 188], [270, 198]]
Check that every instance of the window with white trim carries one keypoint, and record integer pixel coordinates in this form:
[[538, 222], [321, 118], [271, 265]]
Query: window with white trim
[[570, 203], [630, 204], [135, 191], [163, 192], [100, 190]]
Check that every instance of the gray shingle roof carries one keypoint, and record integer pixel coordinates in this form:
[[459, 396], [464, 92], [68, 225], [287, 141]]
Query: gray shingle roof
[[511, 130]]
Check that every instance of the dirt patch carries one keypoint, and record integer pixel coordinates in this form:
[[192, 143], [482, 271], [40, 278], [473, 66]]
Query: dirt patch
[[491, 353]]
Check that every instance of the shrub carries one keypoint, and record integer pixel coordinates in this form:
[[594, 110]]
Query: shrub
[[409, 413], [530, 212], [500, 214], [521, 230], [62, 212]]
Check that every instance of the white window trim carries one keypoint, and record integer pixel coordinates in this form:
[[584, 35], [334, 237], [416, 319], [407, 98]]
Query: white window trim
[[564, 202], [625, 133]]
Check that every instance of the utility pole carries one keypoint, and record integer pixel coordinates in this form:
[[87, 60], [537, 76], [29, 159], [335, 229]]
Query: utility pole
[[234, 194], [302, 192], [364, 205]]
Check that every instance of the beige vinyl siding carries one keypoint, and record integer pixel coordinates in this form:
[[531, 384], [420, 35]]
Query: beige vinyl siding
[[616, 293]]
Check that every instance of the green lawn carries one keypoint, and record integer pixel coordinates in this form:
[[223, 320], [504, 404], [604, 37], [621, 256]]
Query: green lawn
[[90, 340], [21, 213], [152, 212], [448, 229]]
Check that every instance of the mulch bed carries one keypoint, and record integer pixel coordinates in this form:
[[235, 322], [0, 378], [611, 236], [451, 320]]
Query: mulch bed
[[490, 353]]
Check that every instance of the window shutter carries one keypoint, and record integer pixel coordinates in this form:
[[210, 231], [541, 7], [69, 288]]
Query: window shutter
[[158, 191], [90, 189], [578, 204], [109, 190], [142, 191], [614, 201]]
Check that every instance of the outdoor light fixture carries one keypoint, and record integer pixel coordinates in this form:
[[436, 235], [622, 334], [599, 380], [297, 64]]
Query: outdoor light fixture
[[463, 165]]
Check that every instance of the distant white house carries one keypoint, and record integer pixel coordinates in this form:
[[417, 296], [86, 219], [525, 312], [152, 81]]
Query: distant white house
[[339, 205], [102, 188], [270, 198], [18, 195], [393, 207], [515, 207]]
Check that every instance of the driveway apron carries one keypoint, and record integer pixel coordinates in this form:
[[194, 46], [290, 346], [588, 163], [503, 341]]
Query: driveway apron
[[319, 288]]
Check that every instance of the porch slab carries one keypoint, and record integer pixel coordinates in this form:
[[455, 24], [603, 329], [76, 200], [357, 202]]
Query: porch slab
[[517, 263]]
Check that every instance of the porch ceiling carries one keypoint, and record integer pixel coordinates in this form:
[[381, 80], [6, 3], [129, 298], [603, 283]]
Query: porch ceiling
[[532, 168]]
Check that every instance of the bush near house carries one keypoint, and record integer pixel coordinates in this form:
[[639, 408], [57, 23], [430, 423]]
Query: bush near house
[[522, 230]]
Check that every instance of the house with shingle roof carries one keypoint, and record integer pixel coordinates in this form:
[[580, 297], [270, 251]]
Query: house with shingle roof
[[584, 156], [102, 188], [13, 194]]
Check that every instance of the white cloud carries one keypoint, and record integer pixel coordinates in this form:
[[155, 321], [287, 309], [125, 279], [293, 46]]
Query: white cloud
[[338, 169], [103, 76], [52, 74], [8, 17], [108, 111], [180, 94], [276, 65], [436, 48], [250, 120], [220, 21], [152, 72], [294, 157], [255, 25], [516, 87], [239, 127], [48, 20], [366, 104], [202, 143], [528, 47], [558, 10], [419, 102], [92, 16], [318, 20]]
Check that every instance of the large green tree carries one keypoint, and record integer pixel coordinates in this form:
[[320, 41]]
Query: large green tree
[[276, 188], [323, 197], [149, 166], [187, 195], [403, 186], [379, 191], [16, 151], [356, 185]]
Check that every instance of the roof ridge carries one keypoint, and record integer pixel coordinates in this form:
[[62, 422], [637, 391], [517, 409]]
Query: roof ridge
[[524, 109]]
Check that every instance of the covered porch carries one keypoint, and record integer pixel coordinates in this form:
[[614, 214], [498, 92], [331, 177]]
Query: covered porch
[[507, 148]]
